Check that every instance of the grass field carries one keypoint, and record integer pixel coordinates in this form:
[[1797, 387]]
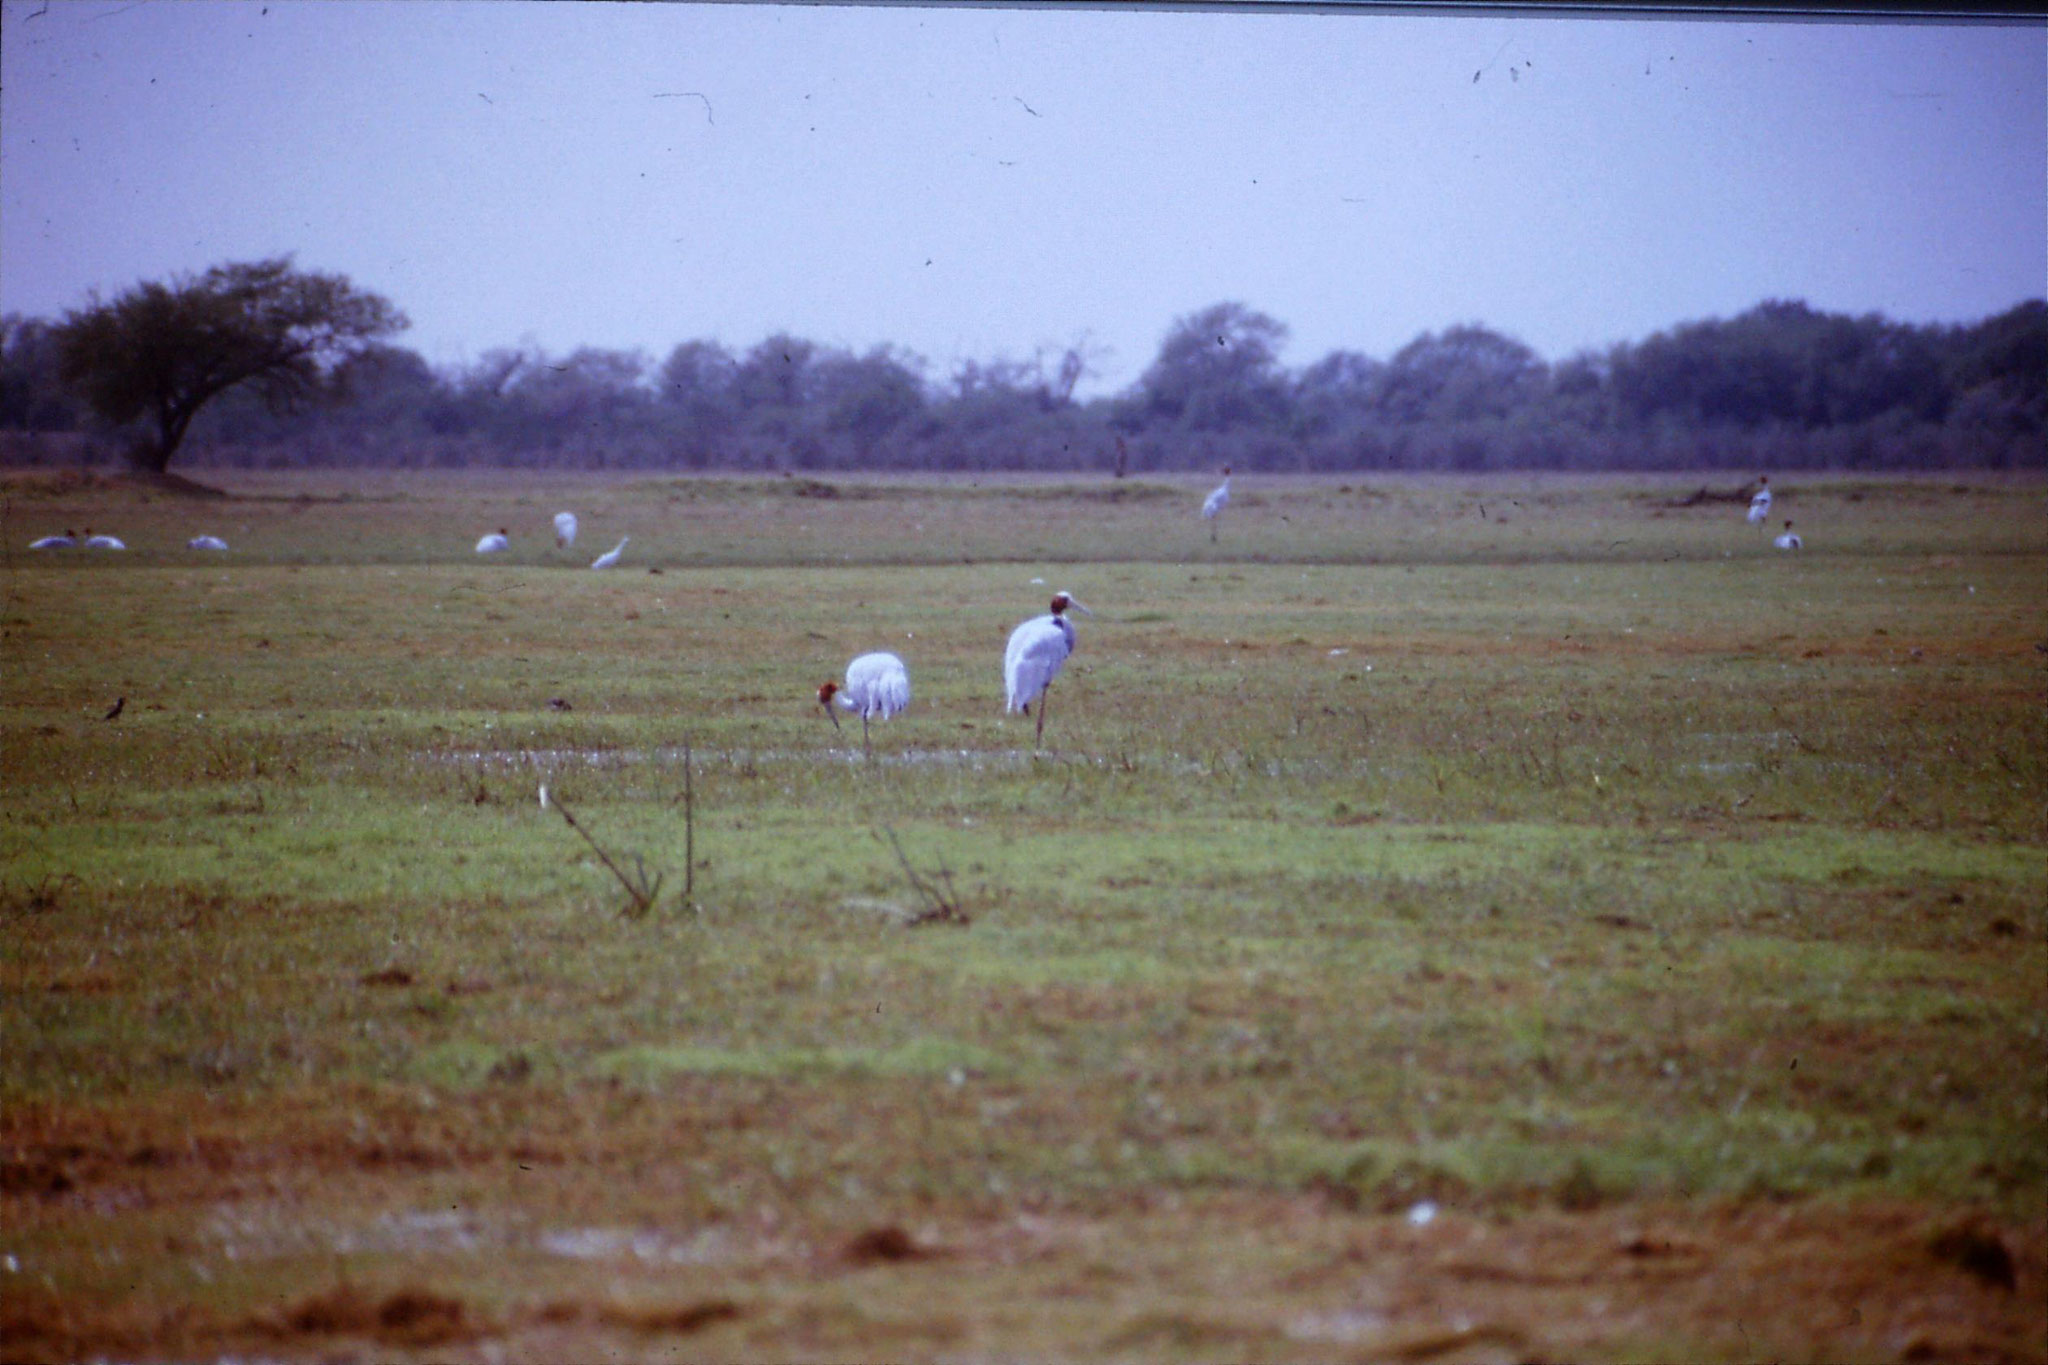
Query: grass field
[[1450, 919]]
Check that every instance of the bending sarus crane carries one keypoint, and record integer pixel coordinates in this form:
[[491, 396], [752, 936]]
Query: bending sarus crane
[[1790, 540], [1037, 649], [877, 686], [496, 542], [611, 556]]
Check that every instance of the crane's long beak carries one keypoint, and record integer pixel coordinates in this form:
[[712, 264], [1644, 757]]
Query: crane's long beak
[[1077, 605]]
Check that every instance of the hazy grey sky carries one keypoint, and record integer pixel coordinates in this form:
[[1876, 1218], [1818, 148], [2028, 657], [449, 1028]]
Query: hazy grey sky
[[968, 183]]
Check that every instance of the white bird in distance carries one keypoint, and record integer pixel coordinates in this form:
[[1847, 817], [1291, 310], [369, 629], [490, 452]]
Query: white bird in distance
[[103, 542], [1789, 540], [877, 687], [206, 543], [63, 542], [1036, 651], [1218, 499], [1760, 505], [565, 530], [611, 556], [495, 542]]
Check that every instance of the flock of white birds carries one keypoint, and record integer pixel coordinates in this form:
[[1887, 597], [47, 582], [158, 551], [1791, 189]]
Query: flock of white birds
[[500, 540], [1760, 510], [877, 685], [72, 539]]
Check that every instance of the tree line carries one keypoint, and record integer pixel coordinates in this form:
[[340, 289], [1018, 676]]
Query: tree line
[[1780, 386]]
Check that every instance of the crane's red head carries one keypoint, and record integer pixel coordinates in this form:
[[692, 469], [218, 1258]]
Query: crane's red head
[[1788, 523], [1062, 600], [1226, 471], [826, 693]]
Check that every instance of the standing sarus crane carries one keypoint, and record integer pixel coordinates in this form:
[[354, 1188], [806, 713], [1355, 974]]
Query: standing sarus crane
[[1760, 505], [877, 686], [565, 530], [1036, 651], [1218, 499]]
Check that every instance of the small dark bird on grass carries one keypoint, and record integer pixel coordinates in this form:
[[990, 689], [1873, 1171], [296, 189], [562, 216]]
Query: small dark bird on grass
[[114, 711]]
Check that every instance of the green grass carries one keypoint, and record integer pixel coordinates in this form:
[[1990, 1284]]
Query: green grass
[[1572, 856]]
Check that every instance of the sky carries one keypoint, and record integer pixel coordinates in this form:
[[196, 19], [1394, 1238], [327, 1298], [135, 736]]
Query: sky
[[981, 183]]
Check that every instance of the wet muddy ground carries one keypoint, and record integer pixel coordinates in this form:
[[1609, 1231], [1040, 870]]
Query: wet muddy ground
[[448, 1242]]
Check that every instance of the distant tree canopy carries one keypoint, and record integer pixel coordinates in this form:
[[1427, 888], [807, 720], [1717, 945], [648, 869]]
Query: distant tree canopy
[[159, 353], [1780, 386], [1217, 369]]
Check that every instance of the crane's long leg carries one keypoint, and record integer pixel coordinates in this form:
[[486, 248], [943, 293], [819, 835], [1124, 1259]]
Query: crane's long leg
[[865, 747], [1212, 530], [1043, 696]]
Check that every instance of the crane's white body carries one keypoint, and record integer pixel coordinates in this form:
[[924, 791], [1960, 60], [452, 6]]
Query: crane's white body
[[877, 687], [63, 542], [611, 556], [1218, 499], [206, 543], [104, 543], [1760, 505], [1789, 540], [493, 543], [1036, 651], [565, 530]]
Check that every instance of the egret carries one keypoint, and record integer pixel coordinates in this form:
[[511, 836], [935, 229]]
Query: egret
[[206, 543], [1788, 541], [491, 544], [1218, 499], [877, 685], [565, 530], [1760, 505], [1036, 651], [102, 542], [63, 542], [611, 556]]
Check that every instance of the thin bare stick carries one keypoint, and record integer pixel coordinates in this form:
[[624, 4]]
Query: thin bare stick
[[643, 893], [689, 832], [938, 909]]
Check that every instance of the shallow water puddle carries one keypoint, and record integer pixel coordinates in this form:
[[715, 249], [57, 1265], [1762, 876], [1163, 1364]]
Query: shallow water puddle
[[245, 1234], [547, 761], [710, 1246]]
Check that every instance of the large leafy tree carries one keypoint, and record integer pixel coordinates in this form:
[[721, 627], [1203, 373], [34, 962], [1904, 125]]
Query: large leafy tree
[[1463, 374], [159, 353], [1217, 369]]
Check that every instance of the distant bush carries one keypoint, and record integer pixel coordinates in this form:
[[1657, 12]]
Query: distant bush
[[1780, 386]]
